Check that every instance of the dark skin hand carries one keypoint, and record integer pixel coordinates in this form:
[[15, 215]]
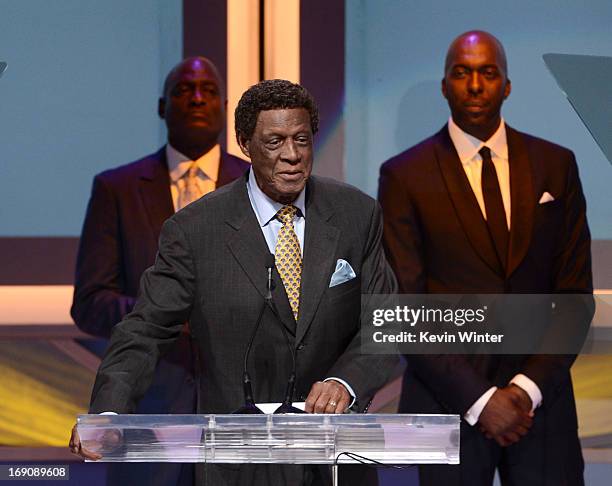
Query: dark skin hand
[[507, 416], [522, 397], [328, 397], [110, 440]]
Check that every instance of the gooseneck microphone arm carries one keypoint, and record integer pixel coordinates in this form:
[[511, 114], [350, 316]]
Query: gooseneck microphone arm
[[287, 405], [249, 406]]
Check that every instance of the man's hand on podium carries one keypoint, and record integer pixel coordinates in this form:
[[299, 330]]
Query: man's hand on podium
[[109, 440], [329, 396]]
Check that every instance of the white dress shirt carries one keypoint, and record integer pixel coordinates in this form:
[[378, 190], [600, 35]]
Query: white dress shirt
[[265, 210], [467, 148], [178, 167]]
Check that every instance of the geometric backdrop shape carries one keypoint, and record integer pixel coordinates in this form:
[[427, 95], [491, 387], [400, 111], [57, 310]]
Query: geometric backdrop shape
[[586, 81]]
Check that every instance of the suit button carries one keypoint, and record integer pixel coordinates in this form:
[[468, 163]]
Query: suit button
[[300, 346]]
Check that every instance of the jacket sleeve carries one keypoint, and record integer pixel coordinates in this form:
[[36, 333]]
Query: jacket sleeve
[[164, 304], [366, 373], [99, 302], [573, 284]]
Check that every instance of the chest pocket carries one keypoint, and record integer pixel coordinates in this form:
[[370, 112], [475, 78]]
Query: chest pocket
[[344, 290]]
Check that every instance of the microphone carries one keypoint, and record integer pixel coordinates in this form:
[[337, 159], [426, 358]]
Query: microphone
[[249, 406], [269, 286], [287, 405]]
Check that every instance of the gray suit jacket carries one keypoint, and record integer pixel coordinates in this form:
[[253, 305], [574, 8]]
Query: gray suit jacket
[[127, 208], [210, 270]]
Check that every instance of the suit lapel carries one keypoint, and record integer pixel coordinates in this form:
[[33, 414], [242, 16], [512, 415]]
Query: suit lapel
[[320, 243], [466, 205], [249, 247], [154, 190], [522, 197], [281, 301]]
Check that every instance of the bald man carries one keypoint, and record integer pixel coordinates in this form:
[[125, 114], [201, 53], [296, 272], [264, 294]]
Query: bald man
[[482, 208], [126, 211]]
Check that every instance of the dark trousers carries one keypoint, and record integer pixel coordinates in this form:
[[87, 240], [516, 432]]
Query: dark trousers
[[282, 475], [538, 459]]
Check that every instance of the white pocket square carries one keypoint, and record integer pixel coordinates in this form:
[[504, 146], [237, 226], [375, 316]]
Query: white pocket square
[[343, 273], [546, 197]]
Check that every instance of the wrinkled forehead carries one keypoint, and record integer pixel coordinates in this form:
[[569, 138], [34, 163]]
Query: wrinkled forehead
[[283, 120], [283, 117]]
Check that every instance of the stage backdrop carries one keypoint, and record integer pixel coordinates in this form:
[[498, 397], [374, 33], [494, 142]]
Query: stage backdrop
[[395, 54], [79, 96]]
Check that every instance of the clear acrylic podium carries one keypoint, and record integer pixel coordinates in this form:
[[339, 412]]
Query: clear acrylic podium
[[280, 439]]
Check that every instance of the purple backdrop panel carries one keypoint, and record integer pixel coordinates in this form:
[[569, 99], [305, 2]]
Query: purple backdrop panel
[[322, 73]]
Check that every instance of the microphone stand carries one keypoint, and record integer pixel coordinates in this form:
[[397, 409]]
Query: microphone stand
[[287, 405], [249, 406]]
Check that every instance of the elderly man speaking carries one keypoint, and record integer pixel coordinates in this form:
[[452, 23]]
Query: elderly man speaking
[[211, 270]]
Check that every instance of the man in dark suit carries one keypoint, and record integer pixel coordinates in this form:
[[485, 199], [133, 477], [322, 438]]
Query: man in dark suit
[[482, 208], [126, 211], [211, 270]]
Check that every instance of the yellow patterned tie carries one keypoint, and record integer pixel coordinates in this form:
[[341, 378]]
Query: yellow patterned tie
[[189, 191], [288, 257]]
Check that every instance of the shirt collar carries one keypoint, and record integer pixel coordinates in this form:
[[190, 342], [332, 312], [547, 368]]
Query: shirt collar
[[265, 207], [178, 163], [468, 146]]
